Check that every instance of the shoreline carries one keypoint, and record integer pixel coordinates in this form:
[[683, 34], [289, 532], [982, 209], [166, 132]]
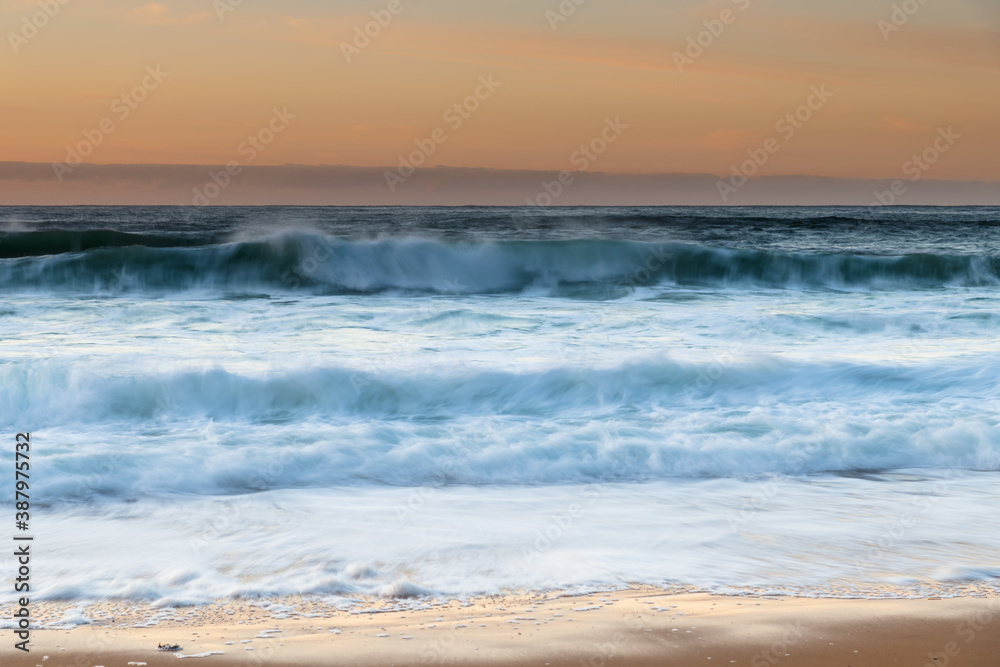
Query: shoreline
[[641, 625]]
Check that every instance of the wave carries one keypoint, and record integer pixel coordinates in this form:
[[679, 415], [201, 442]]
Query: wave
[[44, 242], [106, 262], [219, 432], [83, 393]]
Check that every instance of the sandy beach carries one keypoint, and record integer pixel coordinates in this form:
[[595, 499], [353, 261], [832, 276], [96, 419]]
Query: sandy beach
[[638, 626]]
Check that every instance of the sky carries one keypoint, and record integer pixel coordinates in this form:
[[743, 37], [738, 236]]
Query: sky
[[669, 87]]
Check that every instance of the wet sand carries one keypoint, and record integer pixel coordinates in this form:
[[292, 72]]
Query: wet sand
[[640, 626]]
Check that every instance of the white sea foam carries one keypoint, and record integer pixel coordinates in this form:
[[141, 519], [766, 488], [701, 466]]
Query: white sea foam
[[232, 433], [728, 535], [222, 414]]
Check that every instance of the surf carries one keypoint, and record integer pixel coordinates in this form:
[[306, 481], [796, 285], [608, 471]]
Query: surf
[[108, 263]]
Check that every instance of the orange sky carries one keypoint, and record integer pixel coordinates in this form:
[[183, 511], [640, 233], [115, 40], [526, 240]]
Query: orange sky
[[227, 71]]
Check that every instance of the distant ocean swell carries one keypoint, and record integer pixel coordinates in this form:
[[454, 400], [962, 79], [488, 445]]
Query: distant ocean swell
[[107, 261]]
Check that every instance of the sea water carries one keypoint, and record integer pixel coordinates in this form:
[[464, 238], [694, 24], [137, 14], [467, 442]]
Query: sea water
[[409, 401]]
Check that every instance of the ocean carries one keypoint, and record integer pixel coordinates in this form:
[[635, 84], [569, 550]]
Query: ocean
[[353, 402]]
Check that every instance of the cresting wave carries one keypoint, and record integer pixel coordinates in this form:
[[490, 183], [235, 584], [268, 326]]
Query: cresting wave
[[82, 393], [105, 262], [216, 432]]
